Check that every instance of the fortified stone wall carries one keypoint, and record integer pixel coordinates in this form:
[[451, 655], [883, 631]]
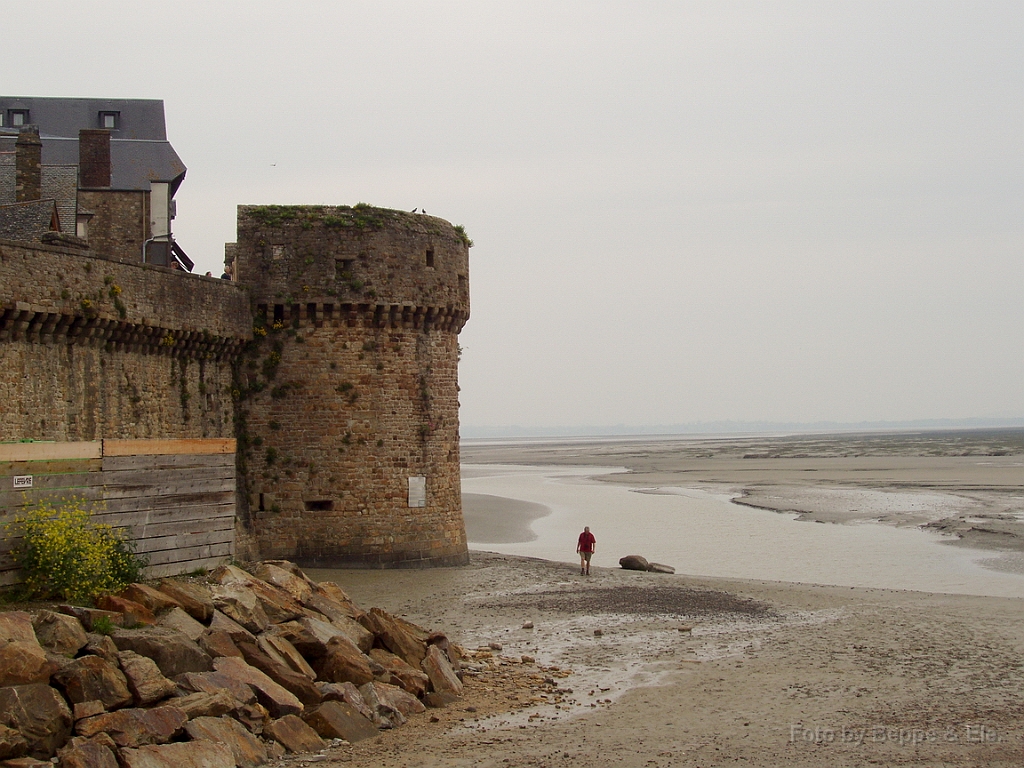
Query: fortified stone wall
[[349, 395], [93, 348]]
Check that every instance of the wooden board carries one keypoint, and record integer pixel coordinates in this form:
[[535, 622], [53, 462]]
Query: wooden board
[[49, 451], [207, 445]]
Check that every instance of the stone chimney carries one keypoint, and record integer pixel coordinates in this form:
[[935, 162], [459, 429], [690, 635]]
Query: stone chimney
[[94, 157], [28, 163]]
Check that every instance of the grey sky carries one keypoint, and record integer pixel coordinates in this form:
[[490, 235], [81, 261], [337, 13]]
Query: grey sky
[[684, 211]]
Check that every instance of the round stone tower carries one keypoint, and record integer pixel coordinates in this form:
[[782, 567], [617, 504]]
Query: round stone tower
[[348, 398]]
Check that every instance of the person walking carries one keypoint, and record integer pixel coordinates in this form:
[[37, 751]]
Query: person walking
[[585, 549]]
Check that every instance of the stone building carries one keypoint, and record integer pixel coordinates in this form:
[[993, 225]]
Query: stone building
[[330, 359], [106, 163]]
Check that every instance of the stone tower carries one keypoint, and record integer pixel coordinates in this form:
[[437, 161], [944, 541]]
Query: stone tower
[[348, 398]]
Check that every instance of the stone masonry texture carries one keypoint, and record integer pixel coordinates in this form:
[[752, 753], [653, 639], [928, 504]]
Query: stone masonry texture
[[350, 387]]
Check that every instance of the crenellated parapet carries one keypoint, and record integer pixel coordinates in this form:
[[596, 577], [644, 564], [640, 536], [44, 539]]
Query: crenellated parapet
[[349, 395]]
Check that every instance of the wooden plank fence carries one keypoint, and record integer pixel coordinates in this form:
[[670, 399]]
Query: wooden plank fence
[[175, 497]]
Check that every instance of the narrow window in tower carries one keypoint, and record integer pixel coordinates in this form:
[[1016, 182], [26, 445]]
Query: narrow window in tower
[[319, 505], [279, 313], [262, 508], [430, 257], [311, 314]]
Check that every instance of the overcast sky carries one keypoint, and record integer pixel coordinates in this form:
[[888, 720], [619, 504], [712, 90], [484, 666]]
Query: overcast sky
[[683, 211]]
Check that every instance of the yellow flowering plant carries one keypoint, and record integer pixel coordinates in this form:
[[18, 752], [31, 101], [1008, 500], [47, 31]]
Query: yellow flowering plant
[[62, 553]]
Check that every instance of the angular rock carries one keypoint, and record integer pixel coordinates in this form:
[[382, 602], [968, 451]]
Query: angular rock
[[102, 646], [213, 682], [219, 643], [361, 637], [153, 599], [330, 609], [634, 563], [278, 701], [298, 684], [401, 674], [136, 727], [192, 754], [278, 647], [24, 663], [194, 599], [12, 743], [91, 678], [40, 714], [172, 651], [340, 720], [60, 633], [213, 704], [347, 693], [275, 751], [297, 587], [145, 681], [83, 709], [220, 622], [310, 636], [394, 636], [439, 700], [237, 602], [439, 670], [179, 621], [333, 592], [294, 735], [26, 762], [343, 662], [660, 568], [86, 753], [133, 613], [277, 603], [255, 718], [393, 698], [384, 715], [248, 751], [16, 626]]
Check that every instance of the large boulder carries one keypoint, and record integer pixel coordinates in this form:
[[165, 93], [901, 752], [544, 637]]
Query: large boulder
[[178, 620], [86, 753], [294, 735], [172, 651], [340, 720], [145, 681], [394, 636], [60, 633], [299, 684], [439, 670], [91, 678], [192, 754], [390, 697], [136, 727], [248, 751], [24, 662], [17, 626], [298, 587], [218, 644], [212, 704], [401, 674], [236, 601], [333, 592], [40, 714], [12, 743], [212, 682], [194, 599], [347, 693], [277, 603], [278, 700], [634, 563], [310, 636], [660, 568], [133, 613], [278, 647], [343, 662], [221, 622]]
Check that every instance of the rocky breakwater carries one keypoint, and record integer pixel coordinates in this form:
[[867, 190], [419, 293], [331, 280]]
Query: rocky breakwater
[[234, 670]]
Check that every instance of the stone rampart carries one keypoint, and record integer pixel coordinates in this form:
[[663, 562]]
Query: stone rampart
[[349, 394]]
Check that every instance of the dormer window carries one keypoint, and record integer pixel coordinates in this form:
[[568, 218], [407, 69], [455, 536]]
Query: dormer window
[[19, 117], [110, 120]]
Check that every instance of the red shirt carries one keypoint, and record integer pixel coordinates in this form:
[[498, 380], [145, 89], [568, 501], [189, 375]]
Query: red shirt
[[586, 542]]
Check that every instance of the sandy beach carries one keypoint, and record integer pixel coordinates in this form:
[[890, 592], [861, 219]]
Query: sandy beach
[[635, 669]]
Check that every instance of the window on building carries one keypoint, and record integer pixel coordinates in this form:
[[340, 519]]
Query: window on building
[[110, 120], [430, 257], [19, 117]]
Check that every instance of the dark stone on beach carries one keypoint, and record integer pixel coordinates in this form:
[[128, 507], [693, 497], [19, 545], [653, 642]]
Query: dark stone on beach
[[634, 563], [660, 568]]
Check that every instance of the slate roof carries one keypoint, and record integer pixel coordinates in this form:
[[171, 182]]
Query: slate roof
[[59, 182], [139, 150], [27, 222]]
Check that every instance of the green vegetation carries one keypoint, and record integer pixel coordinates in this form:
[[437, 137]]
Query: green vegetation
[[63, 554]]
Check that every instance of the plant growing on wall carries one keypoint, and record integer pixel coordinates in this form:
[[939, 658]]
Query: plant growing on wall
[[63, 554]]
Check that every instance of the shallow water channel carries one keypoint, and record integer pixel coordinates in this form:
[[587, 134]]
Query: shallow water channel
[[703, 534]]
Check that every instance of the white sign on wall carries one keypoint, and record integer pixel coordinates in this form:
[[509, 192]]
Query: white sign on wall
[[23, 481], [417, 491]]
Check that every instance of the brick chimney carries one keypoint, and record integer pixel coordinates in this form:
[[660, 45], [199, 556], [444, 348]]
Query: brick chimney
[[28, 162], [94, 157]]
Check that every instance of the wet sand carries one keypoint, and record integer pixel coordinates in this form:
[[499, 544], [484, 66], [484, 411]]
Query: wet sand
[[696, 671], [701, 672]]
